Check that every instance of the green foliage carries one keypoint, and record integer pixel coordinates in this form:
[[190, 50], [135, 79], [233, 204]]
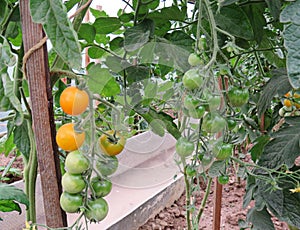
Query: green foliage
[[291, 18], [52, 15], [10, 197]]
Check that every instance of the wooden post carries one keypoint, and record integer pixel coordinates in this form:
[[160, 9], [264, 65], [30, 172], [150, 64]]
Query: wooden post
[[43, 120], [218, 187]]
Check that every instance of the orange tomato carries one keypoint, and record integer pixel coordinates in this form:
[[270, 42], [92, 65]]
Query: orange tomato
[[287, 103], [67, 139], [74, 101]]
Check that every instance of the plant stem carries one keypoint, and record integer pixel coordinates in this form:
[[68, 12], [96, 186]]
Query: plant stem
[[187, 194], [201, 210]]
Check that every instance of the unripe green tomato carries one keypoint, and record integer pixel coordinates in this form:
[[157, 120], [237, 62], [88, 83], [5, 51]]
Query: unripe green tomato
[[231, 124], [194, 60], [192, 79], [224, 179], [72, 183], [198, 112], [71, 202], [190, 102], [190, 171], [223, 151], [213, 123], [214, 102], [238, 96], [281, 112], [97, 209], [101, 187], [76, 162], [288, 109], [184, 147]]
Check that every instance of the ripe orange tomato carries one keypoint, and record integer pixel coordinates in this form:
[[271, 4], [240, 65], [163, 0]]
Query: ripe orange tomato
[[74, 101], [112, 147], [67, 139]]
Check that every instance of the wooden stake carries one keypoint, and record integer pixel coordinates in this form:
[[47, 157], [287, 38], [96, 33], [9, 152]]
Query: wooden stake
[[43, 120]]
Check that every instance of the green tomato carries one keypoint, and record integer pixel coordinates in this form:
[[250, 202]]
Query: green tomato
[[194, 60], [76, 162], [214, 102], [231, 124], [107, 165], [198, 112], [190, 102], [223, 151], [238, 96], [224, 179], [192, 79], [190, 171], [97, 209], [184, 147], [101, 186], [72, 183], [70, 202], [206, 159], [213, 123]]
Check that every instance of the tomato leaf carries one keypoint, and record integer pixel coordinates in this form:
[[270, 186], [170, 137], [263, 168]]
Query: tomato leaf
[[137, 36], [290, 16], [10, 192], [106, 25], [95, 52], [278, 84], [87, 32], [260, 219], [53, 16], [21, 138], [233, 20], [257, 149], [9, 206], [168, 13], [9, 93], [101, 81], [217, 168], [275, 8], [137, 73], [227, 2], [7, 145], [284, 147]]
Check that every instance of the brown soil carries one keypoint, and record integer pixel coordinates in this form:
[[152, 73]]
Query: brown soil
[[173, 218]]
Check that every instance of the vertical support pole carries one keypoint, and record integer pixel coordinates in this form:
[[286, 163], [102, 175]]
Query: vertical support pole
[[218, 187], [43, 120]]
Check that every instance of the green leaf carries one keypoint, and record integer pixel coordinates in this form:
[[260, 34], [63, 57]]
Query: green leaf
[[53, 16], [255, 13], [87, 32], [284, 147], [233, 20], [9, 206], [9, 93], [116, 44], [7, 58], [291, 34], [137, 73], [95, 52], [275, 8], [102, 82], [105, 25], [172, 13], [137, 36], [10, 192], [278, 84], [258, 146], [218, 168], [3, 11], [71, 3], [21, 138], [7, 145], [227, 2], [284, 204], [150, 90], [159, 121], [260, 219], [98, 13]]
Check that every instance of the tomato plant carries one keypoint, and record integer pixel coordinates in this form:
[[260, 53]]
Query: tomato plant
[[74, 101], [108, 165], [112, 143], [213, 123], [68, 139]]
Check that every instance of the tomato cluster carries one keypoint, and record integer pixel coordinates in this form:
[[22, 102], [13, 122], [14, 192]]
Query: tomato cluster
[[291, 104], [83, 191]]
